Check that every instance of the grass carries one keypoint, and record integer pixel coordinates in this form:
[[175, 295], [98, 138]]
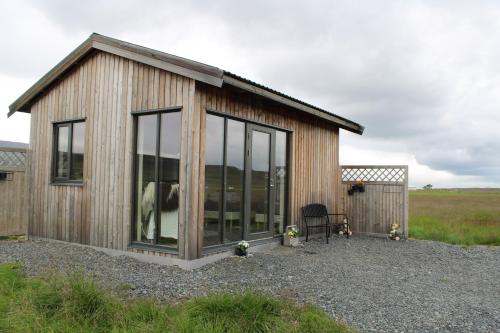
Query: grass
[[77, 303], [463, 217], [12, 238]]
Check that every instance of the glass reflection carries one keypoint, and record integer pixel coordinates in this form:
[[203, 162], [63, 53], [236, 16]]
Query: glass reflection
[[170, 153], [62, 169], [235, 173], [260, 182], [77, 150], [145, 178], [214, 166], [281, 183]]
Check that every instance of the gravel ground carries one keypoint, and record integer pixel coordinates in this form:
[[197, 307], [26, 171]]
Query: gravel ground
[[372, 284]]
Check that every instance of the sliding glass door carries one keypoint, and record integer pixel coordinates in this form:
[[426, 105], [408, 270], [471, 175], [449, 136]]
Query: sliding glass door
[[245, 181], [260, 182], [156, 184]]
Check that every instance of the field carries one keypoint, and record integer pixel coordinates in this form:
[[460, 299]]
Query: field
[[465, 217], [77, 303]]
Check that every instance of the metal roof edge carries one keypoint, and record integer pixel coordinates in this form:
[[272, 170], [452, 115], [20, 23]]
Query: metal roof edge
[[256, 88]]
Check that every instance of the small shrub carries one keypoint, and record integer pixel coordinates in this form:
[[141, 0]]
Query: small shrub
[[47, 298], [313, 320], [234, 313], [87, 302], [11, 278]]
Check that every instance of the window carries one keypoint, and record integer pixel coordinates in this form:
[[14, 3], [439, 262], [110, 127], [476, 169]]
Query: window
[[157, 156], [69, 138]]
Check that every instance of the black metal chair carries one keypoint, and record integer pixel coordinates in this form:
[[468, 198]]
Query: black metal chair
[[319, 212]]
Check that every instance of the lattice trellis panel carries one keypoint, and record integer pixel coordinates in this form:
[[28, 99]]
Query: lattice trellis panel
[[392, 174], [14, 159]]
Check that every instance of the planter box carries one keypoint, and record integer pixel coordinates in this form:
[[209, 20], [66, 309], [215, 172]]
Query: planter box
[[240, 252], [287, 241]]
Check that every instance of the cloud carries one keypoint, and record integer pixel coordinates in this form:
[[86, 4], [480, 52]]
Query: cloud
[[420, 174], [422, 76]]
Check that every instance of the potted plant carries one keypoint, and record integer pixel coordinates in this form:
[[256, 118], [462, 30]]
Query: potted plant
[[291, 236], [394, 233], [344, 228], [242, 249], [358, 186]]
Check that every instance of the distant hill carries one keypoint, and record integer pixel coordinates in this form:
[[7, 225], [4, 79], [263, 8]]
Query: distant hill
[[463, 189], [12, 144]]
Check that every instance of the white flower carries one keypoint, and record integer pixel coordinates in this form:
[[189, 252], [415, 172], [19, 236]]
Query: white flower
[[244, 244]]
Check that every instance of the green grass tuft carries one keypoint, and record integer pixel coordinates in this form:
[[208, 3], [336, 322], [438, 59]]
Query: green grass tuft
[[12, 238], [76, 303], [456, 217], [233, 313]]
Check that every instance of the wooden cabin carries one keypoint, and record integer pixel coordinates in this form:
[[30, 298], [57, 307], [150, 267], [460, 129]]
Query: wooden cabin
[[138, 150]]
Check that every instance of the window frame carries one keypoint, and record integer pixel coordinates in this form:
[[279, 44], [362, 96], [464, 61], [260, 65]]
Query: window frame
[[155, 246], [55, 180]]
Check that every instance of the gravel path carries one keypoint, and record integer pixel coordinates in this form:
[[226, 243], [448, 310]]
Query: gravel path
[[373, 284]]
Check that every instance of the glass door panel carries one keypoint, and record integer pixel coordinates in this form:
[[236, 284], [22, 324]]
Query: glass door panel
[[214, 172], [260, 180], [281, 174], [259, 210], [235, 181]]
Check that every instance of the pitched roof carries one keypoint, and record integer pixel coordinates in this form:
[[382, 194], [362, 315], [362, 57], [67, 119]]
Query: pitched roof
[[182, 66]]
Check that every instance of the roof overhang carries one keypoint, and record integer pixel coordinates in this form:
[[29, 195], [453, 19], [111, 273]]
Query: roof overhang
[[236, 81], [185, 67], [198, 71]]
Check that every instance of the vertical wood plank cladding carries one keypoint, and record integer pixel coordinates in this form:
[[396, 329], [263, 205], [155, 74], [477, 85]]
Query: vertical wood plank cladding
[[313, 165], [192, 162], [200, 100], [128, 157], [104, 89], [377, 208]]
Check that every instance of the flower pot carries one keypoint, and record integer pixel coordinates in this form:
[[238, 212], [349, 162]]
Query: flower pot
[[287, 241], [240, 252]]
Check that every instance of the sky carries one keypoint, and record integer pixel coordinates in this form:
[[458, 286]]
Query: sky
[[423, 77]]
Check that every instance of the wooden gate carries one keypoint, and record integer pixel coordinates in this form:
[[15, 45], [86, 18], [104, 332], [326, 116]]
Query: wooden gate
[[13, 204], [384, 201]]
